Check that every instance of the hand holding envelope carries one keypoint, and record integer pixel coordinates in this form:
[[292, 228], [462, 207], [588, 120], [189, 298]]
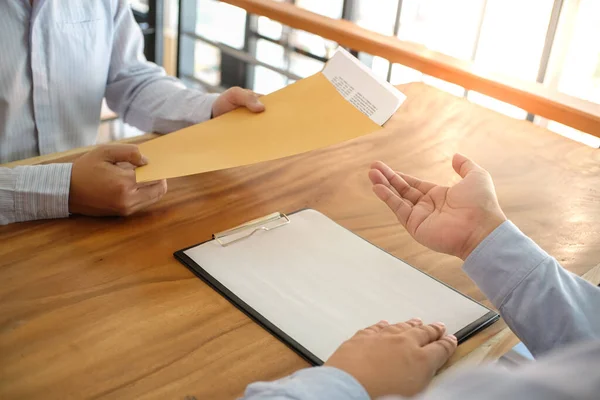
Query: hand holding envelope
[[234, 98]]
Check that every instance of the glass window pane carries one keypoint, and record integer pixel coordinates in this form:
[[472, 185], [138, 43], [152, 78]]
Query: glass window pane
[[378, 16], [271, 53], [449, 27], [580, 75], [207, 63], [497, 105], [378, 65], [210, 24], [328, 8], [267, 81], [312, 43], [304, 66], [402, 74], [269, 28], [574, 134], [444, 85], [512, 37]]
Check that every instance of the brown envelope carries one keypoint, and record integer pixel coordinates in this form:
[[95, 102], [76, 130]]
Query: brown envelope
[[304, 116]]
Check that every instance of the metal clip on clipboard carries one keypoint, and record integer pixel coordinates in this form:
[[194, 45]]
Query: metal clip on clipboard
[[244, 231]]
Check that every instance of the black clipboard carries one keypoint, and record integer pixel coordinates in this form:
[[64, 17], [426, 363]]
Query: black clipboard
[[273, 221]]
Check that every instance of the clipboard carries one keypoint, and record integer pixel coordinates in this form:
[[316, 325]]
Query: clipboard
[[287, 274]]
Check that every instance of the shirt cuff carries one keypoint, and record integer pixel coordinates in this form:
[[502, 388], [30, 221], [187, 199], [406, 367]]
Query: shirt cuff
[[206, 110], [42, 191], [501, 262], [195, 109], [318, 383]]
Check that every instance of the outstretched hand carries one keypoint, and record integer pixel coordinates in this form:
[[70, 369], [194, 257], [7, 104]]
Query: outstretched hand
[[451, 220]]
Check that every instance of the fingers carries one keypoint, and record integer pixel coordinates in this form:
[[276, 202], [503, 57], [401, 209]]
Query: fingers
[[403, 326], [462, 165], [421, 186], [399, 206], [149, 183], [426, 334], [400, 185], [373, 328], [146, 195], [441, 350], [244, 98], [152, 192], [119, 153], [377, 178], [125, 165]]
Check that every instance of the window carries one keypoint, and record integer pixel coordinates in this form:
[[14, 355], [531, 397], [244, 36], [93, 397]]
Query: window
[[210, 23], [330, 8], [547, 41], [377, 16], [576, 69], [450, 27], [580, 72], [207, 64]]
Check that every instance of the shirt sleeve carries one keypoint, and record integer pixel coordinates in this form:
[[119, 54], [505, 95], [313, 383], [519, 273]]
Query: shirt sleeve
[[569, 374], [140, 91], [34, 192], [545, 305], [548, 307], [319, 383]]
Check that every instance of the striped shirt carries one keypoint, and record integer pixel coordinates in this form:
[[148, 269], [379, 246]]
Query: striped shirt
[[60, 59]]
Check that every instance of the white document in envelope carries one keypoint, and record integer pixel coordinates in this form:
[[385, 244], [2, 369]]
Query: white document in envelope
[[319, 283], [374, 97]]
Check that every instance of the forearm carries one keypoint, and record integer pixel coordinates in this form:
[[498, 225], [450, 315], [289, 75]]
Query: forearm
[[159, 103], [545, 305], [319, 383], [140, 92], [570, 374], [34, 192]]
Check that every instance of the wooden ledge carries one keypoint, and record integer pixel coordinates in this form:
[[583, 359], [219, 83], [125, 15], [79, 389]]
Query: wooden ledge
[[531, 96]]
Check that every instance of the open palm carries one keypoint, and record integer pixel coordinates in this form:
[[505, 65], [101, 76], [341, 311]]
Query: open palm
[[452, 220]]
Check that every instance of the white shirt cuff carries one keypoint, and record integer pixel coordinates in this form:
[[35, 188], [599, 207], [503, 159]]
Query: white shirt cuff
[[42, 191]]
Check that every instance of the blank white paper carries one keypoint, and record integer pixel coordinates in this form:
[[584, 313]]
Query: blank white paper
[[320, 283]]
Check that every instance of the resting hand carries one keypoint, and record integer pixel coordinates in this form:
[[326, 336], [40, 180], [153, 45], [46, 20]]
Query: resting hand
[[451, 220], [103, 182], [399, 359], [234, 98]]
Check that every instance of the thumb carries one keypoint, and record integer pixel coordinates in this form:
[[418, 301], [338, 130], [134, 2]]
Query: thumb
[[245, 98], [463, 166], [124, 153]]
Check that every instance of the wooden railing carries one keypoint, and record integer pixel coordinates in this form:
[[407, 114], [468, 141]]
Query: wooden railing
[[530, 96]]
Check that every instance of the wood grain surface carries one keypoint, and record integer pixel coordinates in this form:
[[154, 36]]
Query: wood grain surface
[[99, 308]]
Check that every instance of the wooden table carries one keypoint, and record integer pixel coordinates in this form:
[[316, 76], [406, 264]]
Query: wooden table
[[98, 307]]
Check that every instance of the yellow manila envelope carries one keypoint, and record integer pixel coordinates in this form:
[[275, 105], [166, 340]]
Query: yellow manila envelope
[[342, 102]]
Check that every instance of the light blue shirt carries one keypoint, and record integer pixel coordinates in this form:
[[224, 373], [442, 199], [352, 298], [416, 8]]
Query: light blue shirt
[[60, 58], [555, 313]]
